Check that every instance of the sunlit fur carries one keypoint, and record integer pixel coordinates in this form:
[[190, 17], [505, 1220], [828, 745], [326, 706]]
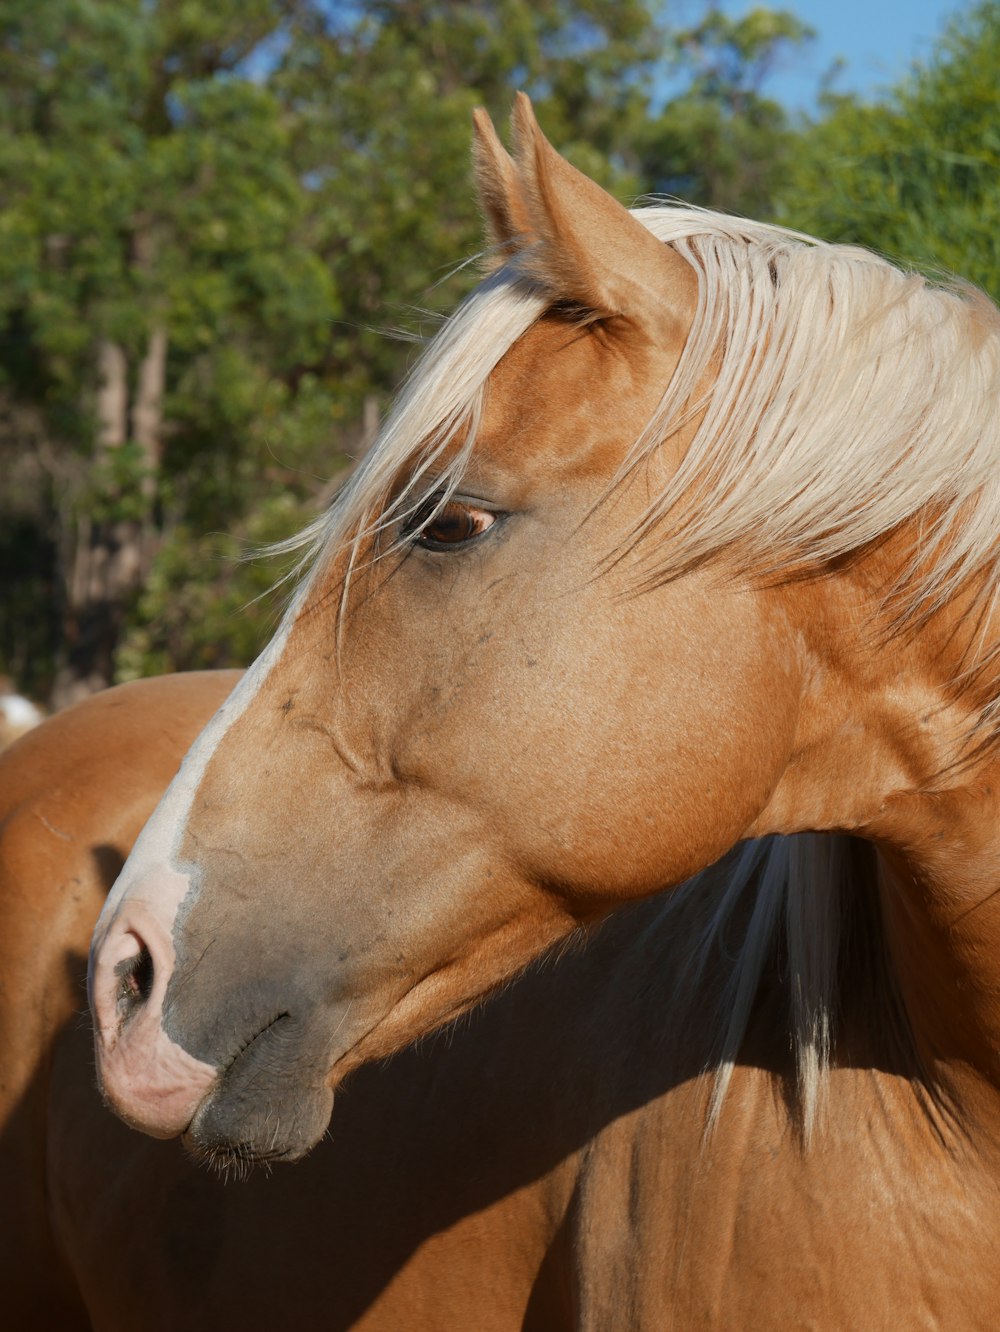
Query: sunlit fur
[[845, 397]]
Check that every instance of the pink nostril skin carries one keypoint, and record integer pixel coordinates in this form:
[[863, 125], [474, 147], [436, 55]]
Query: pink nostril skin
[[150, 1080]]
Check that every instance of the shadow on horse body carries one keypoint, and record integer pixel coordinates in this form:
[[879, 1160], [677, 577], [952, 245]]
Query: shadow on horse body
[[657, 631]]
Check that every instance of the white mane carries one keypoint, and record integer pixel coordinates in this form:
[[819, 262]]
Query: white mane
[[850, 397]]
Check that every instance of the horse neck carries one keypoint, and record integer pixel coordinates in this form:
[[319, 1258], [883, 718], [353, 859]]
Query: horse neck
[[889, 750], [941, 907]]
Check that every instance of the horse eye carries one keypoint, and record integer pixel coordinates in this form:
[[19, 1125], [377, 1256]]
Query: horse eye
[[452, 525]]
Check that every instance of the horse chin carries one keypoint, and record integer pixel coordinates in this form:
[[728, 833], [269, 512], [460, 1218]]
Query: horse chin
[[270, 1102], [231, 1133]]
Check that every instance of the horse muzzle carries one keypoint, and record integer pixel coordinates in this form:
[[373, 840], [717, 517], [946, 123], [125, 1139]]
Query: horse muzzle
[[153, 1083]]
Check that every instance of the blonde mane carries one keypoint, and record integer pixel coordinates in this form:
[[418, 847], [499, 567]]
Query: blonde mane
[[845, 398]]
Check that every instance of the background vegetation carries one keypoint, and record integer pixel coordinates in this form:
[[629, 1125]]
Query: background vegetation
[[209, 213]]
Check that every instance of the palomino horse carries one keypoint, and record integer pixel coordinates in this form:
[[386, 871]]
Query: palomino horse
[[681, 540]]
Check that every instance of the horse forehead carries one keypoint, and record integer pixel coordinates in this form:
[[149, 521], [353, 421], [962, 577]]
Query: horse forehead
[[581, 392]]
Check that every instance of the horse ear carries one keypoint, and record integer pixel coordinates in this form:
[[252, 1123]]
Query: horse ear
[[588, 249], [501, 195]]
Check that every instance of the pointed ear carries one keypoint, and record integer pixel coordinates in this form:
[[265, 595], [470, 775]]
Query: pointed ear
[[587, 248], [501, 194]]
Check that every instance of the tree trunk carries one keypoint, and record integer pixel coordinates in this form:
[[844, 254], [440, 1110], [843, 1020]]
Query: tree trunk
[[147, 409], [110, 557], [112, 395], [147, 432]]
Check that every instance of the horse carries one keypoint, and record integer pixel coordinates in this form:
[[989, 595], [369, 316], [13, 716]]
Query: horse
[[656, 636]]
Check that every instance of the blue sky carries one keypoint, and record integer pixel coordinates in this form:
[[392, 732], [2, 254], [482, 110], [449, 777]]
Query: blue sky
[[878, 40]]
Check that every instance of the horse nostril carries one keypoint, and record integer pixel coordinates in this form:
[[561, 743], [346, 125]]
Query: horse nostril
[[135, 979]]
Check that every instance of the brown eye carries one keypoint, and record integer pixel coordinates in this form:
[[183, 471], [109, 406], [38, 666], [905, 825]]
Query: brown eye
[[452, 525]]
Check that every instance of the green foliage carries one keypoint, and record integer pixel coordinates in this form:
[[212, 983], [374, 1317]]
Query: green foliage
[[148, 184], [722, 142], [264, 185], [212, 599], [115, 486], [917, 175]]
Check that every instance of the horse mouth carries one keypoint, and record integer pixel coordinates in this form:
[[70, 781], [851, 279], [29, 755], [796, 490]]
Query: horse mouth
[[273, 1097], [246, 1049], [269, 1103]]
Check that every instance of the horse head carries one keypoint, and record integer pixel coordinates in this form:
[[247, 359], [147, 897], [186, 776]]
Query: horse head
[[537, 669]]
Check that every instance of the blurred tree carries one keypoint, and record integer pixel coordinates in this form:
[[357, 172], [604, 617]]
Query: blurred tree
[[915, 175], [207, 215], [156, 299], [383, 95], [720, 141]]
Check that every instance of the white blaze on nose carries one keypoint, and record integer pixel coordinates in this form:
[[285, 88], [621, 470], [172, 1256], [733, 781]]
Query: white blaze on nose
[[150, 1080], [153, 1082]]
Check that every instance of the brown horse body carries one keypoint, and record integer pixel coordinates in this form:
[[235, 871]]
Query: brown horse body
[[677, 543]]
